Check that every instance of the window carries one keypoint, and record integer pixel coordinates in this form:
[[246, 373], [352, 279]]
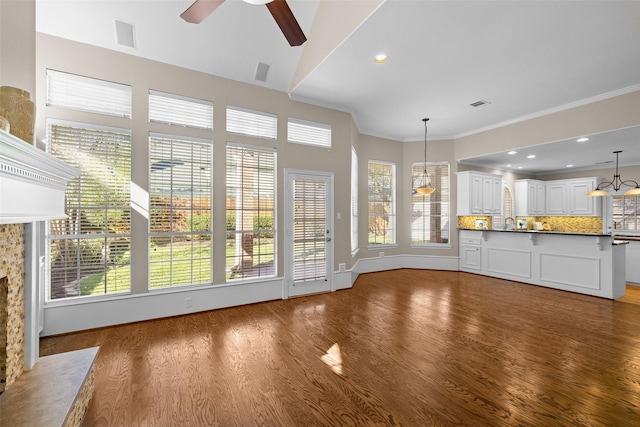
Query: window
[[626, 213], [88, 252], [304, 132], [180, 110], [87, 94], [498, 221], [179, 211], [430, 213], [354, 201], [381, 203], [252, 123], [251, 236]]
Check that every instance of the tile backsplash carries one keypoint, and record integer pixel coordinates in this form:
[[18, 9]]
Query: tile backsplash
[[568, 224]]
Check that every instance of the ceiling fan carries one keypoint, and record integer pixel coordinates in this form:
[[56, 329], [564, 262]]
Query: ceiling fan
[[279, 9]]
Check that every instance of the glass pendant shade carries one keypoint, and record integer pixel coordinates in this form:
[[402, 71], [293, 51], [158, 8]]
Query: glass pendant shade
[[425, 190], [597, 193], [633, 192]]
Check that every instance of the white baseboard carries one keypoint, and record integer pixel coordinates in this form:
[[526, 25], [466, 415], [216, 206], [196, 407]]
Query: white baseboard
[[90, 313]]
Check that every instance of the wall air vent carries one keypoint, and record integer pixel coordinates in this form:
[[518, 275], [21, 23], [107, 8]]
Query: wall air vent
[[479, 103]]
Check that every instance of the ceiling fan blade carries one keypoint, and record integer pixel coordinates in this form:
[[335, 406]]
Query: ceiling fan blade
[[287, 22], [199, 10]]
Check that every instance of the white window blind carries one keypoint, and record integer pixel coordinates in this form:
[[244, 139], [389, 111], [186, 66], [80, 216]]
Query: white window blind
[[251, 191], [179, 211], [88, 252], [253, 123], [309, 230], [430, 213], [180, 110], [354, 201], [499, 221], [304, 132], [87, 94], [381, 203]]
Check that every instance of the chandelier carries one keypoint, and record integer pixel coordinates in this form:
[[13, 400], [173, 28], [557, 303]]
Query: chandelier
[[425, 183], [616, 184]]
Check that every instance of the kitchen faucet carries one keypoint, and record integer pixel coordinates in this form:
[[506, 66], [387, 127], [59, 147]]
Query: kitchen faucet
[[513, 223]]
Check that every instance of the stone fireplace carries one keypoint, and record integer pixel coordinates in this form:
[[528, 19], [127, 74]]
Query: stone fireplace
[[12, 332]]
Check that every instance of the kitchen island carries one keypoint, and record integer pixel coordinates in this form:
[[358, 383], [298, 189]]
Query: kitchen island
[[587, 263]]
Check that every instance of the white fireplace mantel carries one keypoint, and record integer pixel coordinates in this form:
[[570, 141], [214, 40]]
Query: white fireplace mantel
[[32, 182]]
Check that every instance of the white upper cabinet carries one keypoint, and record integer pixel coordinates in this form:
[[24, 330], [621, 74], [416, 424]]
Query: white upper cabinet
[[556, 198], [565, 197], [479, 193], [530, 197]]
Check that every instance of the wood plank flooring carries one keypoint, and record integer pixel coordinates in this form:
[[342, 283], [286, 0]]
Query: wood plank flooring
[[403, 347]]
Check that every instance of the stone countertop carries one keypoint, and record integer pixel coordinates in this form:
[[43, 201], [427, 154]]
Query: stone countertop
[[627, 238], [571, 233]]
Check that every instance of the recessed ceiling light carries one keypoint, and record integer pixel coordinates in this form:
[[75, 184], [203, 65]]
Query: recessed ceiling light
[[519, 167], [569, 166], [508, 166], [512, 152], [380, 58], [531, 156], [583, 139]]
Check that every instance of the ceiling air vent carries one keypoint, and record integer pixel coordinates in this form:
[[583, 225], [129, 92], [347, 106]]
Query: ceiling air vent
[[261, 72], [479, 103], [124, 34]]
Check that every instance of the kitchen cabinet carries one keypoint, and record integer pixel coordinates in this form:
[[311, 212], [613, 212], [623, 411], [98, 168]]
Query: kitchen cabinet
[[579, 204], [530, 197], [470, 252], [633, 267], [564, 197], [479, 193], [556, 198]]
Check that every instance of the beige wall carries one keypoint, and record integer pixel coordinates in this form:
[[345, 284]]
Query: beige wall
[[142, 75], [17, 44], [605, 115]]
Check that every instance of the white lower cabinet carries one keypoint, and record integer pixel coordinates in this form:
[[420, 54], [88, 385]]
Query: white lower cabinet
[[584, 263], [471, 253], [633, 266]]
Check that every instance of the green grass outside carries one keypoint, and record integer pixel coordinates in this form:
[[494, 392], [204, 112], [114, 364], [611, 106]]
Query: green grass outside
[[118, 278]]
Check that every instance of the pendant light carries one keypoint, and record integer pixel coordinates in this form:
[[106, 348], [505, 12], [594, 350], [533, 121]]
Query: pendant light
[[616, 183], [425, 185]]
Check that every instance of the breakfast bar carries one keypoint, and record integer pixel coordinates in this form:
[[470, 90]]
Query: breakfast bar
[[587, 263]]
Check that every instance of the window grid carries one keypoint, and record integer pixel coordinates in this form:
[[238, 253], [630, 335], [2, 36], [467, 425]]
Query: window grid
[[381, 203], [430, 223], [250, 206], [179, 211], [88, 94], [88, 253], [626, 213]]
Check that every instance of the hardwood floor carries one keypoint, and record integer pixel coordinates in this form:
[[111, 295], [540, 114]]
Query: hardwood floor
[[403, 347]]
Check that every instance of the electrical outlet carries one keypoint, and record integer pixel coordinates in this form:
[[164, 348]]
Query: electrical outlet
[[342, 266], [381, 254], [189, 303]]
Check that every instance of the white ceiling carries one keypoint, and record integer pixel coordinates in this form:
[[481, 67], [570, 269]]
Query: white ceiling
[[526, 58]]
